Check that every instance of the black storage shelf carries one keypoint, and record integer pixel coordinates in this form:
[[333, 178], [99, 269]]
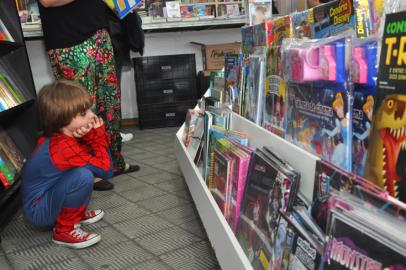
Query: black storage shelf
[[164, 91], [166, 67], [19, 122], [166, 88], [11, 113], [8, 46]]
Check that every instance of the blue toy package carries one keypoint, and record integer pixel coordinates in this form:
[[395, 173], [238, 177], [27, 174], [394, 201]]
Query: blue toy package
[[319, 121], [364, 99]]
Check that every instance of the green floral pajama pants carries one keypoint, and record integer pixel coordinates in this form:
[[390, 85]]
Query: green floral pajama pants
[[91, 63]]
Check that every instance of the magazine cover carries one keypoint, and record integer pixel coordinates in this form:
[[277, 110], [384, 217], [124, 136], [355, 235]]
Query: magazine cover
[[320, 122], [333, 18], [353, 246], [386, 155]]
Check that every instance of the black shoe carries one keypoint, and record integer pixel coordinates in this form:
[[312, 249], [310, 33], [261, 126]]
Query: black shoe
[[103, 185], [131, 169]]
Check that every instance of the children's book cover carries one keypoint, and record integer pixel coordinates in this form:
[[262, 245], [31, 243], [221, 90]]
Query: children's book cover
[[320, 122], [353, 246], [386, 159]]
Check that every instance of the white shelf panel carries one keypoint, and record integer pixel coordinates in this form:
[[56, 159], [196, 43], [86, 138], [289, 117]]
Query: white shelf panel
[[302, 161], [228, 251]]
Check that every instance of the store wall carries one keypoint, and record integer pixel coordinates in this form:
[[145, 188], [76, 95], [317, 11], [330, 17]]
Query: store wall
[[155, 44]]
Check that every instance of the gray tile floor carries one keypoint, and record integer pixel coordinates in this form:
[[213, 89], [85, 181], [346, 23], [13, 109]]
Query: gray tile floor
[[150, 222]]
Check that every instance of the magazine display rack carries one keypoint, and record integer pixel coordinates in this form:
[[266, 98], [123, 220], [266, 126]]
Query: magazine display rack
[[18, 120], [226, 246]]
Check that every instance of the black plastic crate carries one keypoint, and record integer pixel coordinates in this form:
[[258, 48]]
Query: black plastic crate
[[164, 91], [165, 67], [164, 115]]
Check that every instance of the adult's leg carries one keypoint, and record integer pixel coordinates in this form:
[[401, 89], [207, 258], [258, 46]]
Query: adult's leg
[[109, 95], [91, 63]]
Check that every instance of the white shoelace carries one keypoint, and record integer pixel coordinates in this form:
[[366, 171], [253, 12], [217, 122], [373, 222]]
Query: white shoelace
[[78, 233]]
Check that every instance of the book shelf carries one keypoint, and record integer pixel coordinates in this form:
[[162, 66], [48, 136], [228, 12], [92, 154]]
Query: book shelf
[[19, 121], [226, 246]]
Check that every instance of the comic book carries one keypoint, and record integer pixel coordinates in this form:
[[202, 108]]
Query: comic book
[[254, 95], [301, 24], [247, 37], [274, 101], [190, 122], [232, 72], [385, 165]]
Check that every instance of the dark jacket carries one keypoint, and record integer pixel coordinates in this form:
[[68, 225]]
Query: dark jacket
[[126, 34]]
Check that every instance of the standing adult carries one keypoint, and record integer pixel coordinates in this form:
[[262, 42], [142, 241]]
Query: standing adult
[[80, 49]]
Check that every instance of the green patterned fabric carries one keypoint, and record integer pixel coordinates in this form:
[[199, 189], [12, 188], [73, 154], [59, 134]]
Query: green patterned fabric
[[91, 63]]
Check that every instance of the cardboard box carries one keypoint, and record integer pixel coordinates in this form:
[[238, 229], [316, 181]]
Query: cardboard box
[[213, 54]]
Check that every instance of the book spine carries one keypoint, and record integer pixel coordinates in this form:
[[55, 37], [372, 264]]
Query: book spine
[[13, 89], [4, 181], [211, 173]]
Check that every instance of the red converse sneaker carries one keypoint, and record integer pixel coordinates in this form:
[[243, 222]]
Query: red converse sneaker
[[92, 216], [77, 238]]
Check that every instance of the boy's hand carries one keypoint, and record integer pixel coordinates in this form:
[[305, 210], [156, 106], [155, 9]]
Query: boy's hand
[[98, 122], [80, 132]]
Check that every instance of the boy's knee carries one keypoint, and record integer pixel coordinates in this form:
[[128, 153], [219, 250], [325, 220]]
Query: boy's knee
[[84, 175]]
